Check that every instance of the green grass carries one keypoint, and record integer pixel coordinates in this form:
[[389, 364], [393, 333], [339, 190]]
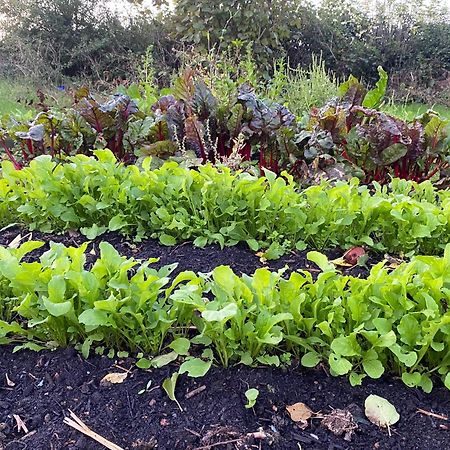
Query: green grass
[[410, 110], [15, 96], [10, 94]]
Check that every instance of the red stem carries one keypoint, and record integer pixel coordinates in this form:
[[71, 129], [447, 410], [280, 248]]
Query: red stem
[[16, 164]]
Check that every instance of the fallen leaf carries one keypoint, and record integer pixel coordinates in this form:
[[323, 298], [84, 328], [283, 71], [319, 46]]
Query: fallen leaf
[[9, 382], [341, 262], [352, 255], [20, 424], [113, 378], [393, 263], [300, 413], [340, 421], [262, 257], [380, 411]]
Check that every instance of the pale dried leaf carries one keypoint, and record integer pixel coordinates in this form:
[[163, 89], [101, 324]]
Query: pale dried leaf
[[341, 262], [113, 378], [299, 412]]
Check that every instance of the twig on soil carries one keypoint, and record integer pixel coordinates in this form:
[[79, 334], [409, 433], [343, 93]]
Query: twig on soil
[[122, 368], [255, 435], [207, 447], [75, 422], [431, 414], [195, 392], [193, 432], [20, 424]]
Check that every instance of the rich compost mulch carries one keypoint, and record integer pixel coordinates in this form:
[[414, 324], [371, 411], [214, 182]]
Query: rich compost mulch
[[41, 388], [49, 384], [239, 257]]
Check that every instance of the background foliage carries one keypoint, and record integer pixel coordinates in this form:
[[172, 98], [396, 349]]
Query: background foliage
[[72, 38]]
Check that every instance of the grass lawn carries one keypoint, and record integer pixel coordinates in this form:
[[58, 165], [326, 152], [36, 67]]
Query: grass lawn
[[411, 110], [10, 93], [16, 95]]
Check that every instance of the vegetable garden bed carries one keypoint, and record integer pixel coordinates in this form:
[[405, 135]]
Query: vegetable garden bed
[[188, 313], [48, 384]]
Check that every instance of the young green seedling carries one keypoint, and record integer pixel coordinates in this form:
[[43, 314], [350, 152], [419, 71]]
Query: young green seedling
[[251, 395]]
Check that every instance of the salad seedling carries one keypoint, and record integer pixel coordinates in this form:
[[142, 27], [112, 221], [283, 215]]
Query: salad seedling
[[251, 395]]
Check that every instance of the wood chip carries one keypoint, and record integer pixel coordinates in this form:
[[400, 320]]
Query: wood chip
[[75, 422], [194, 392]]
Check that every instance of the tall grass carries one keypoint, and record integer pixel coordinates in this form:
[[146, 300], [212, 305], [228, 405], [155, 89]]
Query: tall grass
[[297, 89], [302, 89]]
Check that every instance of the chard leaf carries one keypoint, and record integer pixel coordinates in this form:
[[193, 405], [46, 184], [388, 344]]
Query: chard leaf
[[374, 97], [393, 153]]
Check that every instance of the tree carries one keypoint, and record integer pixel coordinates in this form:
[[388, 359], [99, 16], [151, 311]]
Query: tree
[[265, 24], [73, 38]]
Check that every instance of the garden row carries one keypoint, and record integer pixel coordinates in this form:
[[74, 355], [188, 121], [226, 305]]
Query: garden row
[[214, 205], [396, 321], [231, 123]]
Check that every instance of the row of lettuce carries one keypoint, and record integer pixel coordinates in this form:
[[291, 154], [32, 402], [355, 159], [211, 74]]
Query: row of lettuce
[[396, 321], [216, 205]]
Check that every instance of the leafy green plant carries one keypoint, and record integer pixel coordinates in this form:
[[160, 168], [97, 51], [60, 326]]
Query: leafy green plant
[[349, 134], [396, 321], [169, 385], [251, 395], [75, 306], [209, 205]]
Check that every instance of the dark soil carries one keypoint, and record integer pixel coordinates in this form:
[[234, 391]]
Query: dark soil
[[43, 387], [239, 257]]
